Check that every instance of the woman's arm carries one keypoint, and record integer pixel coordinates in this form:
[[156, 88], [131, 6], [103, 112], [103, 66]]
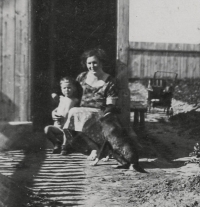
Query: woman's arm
[[55, 115], [69, 103], [111, 93], [111, 100]]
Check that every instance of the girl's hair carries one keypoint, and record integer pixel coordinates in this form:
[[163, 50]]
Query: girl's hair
[[68, 79], [97, 52]]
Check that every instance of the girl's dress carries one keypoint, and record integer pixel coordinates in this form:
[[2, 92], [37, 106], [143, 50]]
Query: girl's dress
[[86, 117]]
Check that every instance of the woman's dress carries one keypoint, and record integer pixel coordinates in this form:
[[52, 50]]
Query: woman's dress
[[86, 117]]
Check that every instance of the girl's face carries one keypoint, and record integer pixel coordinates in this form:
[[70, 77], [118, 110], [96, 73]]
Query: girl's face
[[67, 89], [93, 64]]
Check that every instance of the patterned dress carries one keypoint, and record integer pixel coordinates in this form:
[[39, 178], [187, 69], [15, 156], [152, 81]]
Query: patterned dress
[[86, 117]]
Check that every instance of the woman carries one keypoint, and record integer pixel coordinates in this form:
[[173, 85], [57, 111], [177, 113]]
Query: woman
[[99, 91]]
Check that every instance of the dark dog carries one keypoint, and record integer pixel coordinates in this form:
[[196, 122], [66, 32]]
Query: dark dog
[[117, 141]]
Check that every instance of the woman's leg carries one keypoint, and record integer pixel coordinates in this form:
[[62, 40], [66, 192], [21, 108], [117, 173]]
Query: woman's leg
[[55, 136], [72, 138], [92, 144]]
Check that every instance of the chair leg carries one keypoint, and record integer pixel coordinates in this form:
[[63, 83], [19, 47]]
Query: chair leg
[[142, 118], [136, 114]]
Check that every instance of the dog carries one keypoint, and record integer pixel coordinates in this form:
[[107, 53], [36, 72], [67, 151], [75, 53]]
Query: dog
[[118, 142]]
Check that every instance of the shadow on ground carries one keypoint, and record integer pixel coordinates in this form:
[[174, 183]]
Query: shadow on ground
[[164, 139]]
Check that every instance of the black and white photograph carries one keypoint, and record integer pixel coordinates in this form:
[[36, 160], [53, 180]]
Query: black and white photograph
[[100, 103]]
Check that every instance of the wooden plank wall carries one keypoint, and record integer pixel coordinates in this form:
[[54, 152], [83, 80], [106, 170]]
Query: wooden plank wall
[[122, 60], [15, 60], [147, 58]]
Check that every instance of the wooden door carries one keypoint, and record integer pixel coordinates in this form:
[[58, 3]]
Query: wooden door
[[63, 29]]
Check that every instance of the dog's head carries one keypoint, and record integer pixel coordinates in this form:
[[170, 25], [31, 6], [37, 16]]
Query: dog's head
[[110, 109], [109, 112]]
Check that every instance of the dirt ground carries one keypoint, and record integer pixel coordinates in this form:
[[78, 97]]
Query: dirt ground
[[165, 146]]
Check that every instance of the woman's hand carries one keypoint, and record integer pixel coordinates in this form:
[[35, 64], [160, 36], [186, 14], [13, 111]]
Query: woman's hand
[[55, 115]]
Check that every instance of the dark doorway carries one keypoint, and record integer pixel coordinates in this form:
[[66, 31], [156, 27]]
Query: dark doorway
[[62, 30]]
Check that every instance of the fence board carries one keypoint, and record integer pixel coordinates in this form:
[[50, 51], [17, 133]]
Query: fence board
[[1, 60], [14, 55], [8, 58], [1, 57], [17, 60], [21, 72], [147, 64], [29, 64], [142, 66]]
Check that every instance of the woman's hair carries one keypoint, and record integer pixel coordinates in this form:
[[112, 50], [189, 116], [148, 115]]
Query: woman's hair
[[97, 52]]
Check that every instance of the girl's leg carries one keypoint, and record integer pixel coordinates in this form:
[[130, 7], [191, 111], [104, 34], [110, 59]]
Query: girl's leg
[[68, 137], [55, 136]]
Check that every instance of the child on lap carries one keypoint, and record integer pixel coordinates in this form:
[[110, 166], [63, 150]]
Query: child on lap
[[66, 102]]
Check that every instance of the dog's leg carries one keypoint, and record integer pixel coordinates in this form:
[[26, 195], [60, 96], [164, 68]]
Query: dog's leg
[[101, 152], [122, 163], [95, 162], [124, 166], [105, 159], [137, 168], [93, 155]]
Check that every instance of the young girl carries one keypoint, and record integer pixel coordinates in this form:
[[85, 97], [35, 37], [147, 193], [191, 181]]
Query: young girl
[[69, 99]]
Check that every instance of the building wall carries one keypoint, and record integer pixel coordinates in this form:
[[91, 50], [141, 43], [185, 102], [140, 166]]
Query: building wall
[[15, 74]]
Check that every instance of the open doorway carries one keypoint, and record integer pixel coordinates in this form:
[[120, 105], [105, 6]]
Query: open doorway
[[62, 30]]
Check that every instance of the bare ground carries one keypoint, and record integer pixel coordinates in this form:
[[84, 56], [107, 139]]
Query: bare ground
[[165, 147], [166, 144]]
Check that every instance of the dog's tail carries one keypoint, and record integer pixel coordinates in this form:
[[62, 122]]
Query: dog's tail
[[137, 167]]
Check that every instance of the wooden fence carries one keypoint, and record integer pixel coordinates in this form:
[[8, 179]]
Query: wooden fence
[[15, 60], [147, 58]]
